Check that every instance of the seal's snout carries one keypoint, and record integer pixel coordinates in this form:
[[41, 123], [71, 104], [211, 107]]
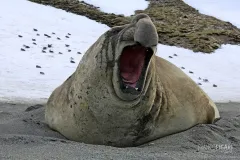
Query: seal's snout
[[135, 58], [146, 33]]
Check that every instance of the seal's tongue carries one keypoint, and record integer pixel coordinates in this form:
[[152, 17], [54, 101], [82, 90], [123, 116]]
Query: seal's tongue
[[131, 64]]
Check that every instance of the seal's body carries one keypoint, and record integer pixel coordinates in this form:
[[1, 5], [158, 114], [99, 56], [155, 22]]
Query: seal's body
[[121, 94]]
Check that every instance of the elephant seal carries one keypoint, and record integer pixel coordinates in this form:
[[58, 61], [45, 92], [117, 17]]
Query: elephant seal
[[122, 94]]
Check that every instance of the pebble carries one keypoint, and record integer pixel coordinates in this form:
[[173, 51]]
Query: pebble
[[26, 46], [205, 80]]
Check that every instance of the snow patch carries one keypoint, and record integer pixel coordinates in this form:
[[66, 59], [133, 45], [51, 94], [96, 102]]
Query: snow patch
[[125, 7], [226, 10]]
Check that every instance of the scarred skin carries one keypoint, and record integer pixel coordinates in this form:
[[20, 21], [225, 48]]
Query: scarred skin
[[91, 107]]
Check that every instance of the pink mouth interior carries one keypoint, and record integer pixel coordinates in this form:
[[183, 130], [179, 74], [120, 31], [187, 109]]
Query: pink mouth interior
[[131, 64]]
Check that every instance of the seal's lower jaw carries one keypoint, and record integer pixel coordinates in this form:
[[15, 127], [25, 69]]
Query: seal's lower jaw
[[133, 64]]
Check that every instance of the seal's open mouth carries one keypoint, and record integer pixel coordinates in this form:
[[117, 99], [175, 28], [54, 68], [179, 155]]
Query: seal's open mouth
[[133, 64]]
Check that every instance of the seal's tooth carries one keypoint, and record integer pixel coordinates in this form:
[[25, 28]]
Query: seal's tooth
[[136, 89]]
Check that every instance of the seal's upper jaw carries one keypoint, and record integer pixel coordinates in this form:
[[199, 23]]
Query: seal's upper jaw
[[133, 64]]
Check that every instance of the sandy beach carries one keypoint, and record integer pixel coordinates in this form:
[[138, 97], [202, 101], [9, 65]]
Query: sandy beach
[[24, 135]]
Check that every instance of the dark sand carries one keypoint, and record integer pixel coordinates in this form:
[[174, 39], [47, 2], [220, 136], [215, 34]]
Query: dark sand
[[24, 135]]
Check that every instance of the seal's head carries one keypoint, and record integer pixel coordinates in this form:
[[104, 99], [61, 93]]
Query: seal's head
[[120, 61], [136, 44]]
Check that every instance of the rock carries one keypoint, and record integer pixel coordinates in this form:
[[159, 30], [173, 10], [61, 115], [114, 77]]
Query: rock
[[205, 80], [26, 46], [37, 106], [47, 35]]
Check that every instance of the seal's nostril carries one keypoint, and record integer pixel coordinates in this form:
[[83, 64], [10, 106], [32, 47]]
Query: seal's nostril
[[138, 43]]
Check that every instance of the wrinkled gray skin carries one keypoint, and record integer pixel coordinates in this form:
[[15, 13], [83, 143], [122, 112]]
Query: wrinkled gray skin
[[91, 107]]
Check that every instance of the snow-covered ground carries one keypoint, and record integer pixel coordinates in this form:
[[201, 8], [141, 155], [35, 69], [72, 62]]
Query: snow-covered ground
[[125, 7], [221, 68], [226, 10], [20, 79]]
